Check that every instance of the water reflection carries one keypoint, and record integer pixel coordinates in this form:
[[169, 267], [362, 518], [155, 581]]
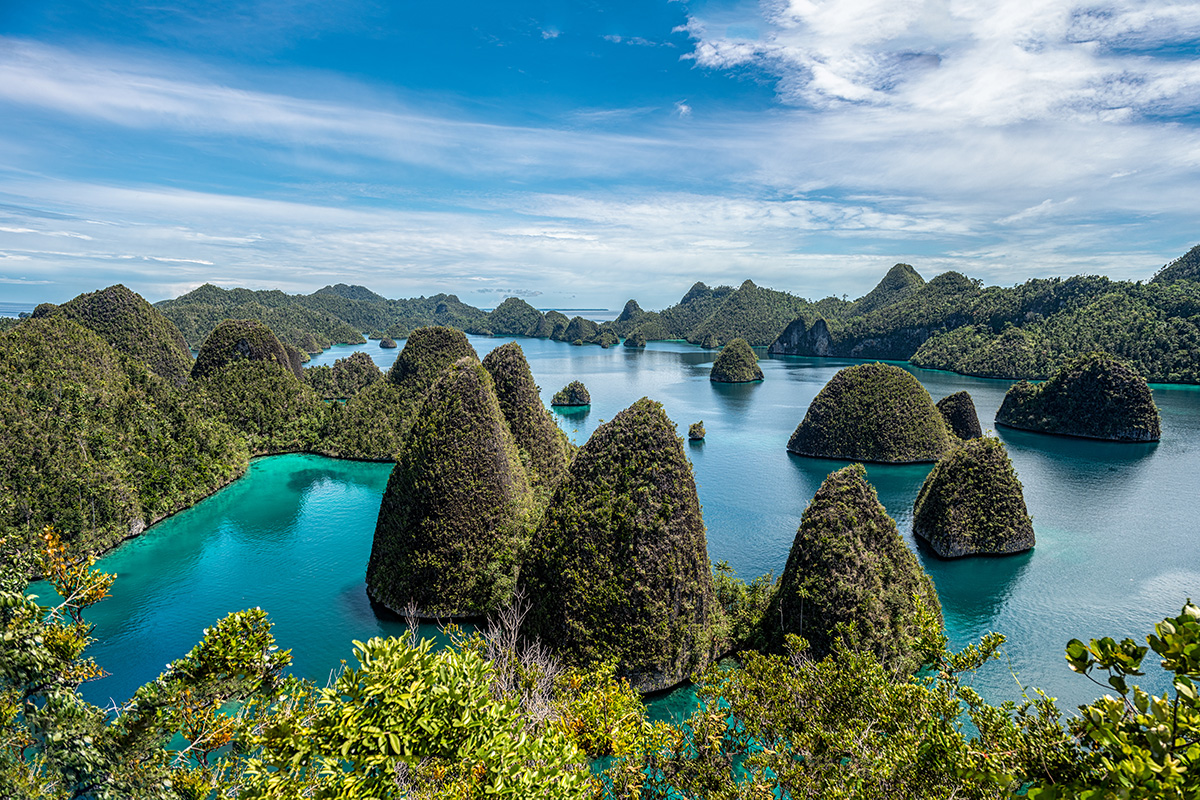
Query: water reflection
[[974, 589], [734, 398]]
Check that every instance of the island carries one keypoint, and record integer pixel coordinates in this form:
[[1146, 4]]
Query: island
[[622, 550], [958, 410], [872, 412], [573, 394], [455, 515], [849, 564], [1093, 396], [737, 363], [972, 504]]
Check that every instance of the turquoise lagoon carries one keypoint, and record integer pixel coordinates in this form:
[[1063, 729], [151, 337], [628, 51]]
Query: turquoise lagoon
[[1116, 545]]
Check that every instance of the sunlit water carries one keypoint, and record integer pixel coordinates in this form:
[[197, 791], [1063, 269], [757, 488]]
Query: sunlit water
[[1116, 546]]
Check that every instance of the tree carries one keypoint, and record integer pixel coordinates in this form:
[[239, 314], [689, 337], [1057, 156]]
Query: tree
[[54, 744]]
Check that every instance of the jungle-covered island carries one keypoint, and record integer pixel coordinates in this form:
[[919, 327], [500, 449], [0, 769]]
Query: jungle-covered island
[[737, 363], [873, 412], [971, 503], [585, 568], [1093, 396]]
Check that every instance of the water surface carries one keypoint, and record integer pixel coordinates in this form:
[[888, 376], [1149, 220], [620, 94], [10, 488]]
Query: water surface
[[1116, 549]]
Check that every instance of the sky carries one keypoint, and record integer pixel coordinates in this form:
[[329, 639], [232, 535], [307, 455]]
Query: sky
[[579, 154]]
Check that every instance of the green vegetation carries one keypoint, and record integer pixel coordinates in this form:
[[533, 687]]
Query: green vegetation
[[456, 514], [347, 377], [387, 343], [849, 564], [712, 317], [900, 282], [262, 400], [618, 568], [514, 317], [971, 503], [133, 327], [1093, 396], [544, 448], [96, 443], [573, 394], [635, 339], [494, 716], [370, 425], [1184, 268], [737, 363], [696, 431], [1025, 331], [239, 340], [872, 412], [302, 322], [958, 410]]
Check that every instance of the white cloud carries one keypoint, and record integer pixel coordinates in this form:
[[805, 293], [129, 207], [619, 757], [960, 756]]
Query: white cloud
[[995, 62]]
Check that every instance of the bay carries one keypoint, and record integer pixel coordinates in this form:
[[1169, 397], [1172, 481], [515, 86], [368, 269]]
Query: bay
[[1116, 546]]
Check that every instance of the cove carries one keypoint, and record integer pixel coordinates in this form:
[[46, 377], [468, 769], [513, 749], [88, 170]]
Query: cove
[[1116, 549]]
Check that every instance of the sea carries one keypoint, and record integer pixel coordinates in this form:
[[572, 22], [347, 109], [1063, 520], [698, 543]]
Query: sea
[[1117, 547]]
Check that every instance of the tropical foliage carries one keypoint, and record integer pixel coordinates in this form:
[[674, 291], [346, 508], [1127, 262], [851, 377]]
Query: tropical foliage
[[1093, 395], [872, 412]]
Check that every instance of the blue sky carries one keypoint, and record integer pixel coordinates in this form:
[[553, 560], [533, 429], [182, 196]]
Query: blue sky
[[578, 154]]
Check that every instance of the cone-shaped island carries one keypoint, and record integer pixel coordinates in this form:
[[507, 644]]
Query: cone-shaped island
[[454, 516], [239, 340], [872, 412], [848, 563], [543, 445], [573, 394], [958, 410], [737, 363], [972, 504], [1093, 396], [132, 326], [619, 566]]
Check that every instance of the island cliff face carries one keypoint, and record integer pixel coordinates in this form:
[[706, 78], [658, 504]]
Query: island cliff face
[[1092, 396], [872, 412], [958, 410], [849, 564], [544, 447], [972, 504], [737, 363], [456, 512], [619, 565]]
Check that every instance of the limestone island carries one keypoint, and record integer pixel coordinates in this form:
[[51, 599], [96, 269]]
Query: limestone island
[[387, 343], [873, 412], [958, 410], [618, 568], [573, 394], [972, 504], [457, 509], [696, 431], [848, 563], [737, 363], [1093, 396], [241, 340], [636, 339], [543, 446]]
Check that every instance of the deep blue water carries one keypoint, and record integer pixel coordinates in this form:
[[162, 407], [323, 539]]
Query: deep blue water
[[1116, 546]]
